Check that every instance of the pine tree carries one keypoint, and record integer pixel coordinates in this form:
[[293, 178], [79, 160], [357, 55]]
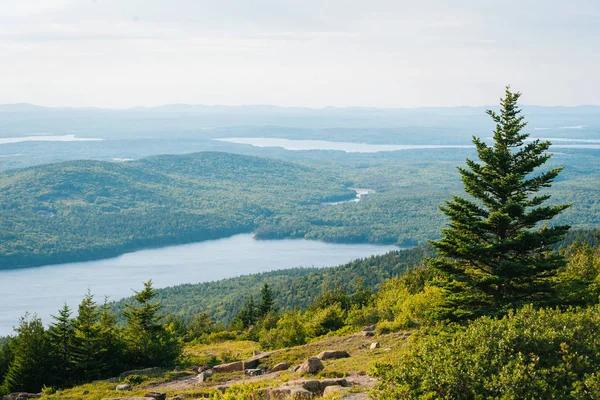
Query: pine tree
[[61, 338], [495, 253], [28, 370], [87, 348], [267, 302], [150, 344]]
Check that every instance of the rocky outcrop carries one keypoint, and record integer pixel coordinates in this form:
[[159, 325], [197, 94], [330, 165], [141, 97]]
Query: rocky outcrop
[[254, 372], [317, 386], [374, 345], [202, 376], [286, 392], [229, 367], [156, 395], [280, 367], [22, 396], [124, 386], [253, 362], [333, 354], [311, 366]]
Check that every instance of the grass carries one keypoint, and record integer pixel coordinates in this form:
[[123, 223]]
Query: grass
[[242, 387]]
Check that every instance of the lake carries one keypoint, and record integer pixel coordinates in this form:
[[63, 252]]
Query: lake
[[43, 290], [348, 147], [47, 138]]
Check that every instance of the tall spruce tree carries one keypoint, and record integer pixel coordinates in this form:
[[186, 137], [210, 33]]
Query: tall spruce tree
[[61, 339], [495, 254], [150, 343], [267, 301]]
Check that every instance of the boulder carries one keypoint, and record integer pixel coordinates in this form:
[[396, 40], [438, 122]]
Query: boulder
[[333, 390], [333, 354], [369, 328], [202, 368], [253, 362], [367, 333], [124, 386], [203, 375], [311, 366], [287, 392], [374, 345], [254, 372], [280, 367], [317, 386], [230, 367], [22, 396], [156, 395]]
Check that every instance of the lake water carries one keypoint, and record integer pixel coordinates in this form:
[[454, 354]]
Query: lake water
[[43, 290], [348, 147], [47, 138]]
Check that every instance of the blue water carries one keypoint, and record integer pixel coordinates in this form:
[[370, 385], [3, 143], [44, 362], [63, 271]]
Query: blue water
[[43, 290]]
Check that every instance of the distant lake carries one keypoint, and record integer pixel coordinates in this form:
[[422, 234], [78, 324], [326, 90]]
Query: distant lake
[[43, 290], [348, 147], [47, 138]]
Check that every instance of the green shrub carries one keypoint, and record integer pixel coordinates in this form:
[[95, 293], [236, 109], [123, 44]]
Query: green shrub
[[134, 379], [529, 354]]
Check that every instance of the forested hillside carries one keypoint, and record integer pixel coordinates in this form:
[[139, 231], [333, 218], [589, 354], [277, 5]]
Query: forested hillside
[[85, 209], [295, 288]]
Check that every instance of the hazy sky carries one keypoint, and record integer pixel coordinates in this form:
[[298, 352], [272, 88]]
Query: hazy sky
[[387, 53]]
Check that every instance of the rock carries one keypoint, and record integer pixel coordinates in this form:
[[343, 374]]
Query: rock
[[203, 368], [332, 390], [230, 367], [317, 386], [369, 328], [86, 392], [289, 392], [194, 369], [256, 352], [355, 396], [22, 396], [388, 349], [254, 372], [156, 395], [145, 371], [295, 368], [280, 367], [374, 345], [367, 333], [177, 368], [333, 354], [311, 366], [124, 386], [202, 376], [253, 362]]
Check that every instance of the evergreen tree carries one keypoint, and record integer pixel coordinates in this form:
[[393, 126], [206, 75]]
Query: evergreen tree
[[87, 338], [495, 253], [150, 344], [61, 339], [111, 345], [267, 301], [6, 358], [249, 313], [28, 370]]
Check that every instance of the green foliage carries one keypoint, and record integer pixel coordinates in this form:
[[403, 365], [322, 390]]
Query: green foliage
[[529, 354], [494, 255], [149, 342], [294, 288], [28, 369], [61, 340]]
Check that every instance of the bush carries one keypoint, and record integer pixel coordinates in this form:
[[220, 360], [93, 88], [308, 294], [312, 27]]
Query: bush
[[530, 354]]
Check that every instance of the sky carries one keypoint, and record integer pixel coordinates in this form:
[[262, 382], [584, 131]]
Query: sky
[[312, 53]]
